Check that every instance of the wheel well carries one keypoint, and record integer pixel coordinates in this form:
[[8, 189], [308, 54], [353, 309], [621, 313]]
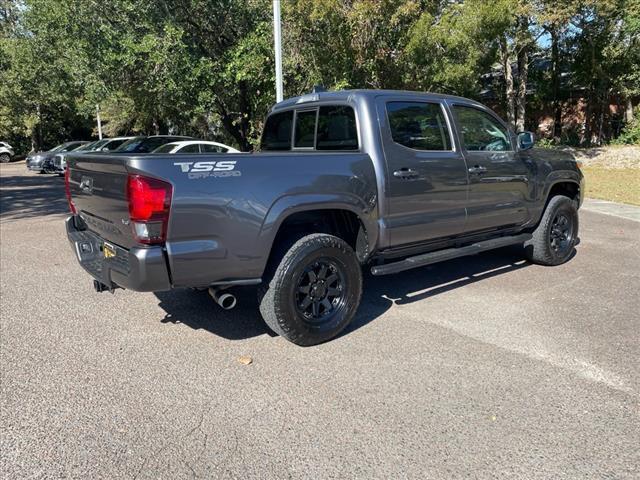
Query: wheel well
[[568, 189], [340, 223]]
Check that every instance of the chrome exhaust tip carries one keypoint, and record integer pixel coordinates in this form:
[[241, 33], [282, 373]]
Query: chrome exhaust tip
[[227, 301]]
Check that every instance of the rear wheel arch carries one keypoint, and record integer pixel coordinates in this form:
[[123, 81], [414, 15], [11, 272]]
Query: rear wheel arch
[[343, 223]]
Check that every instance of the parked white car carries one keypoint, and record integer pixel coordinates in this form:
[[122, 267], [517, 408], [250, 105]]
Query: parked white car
[[6, 152], [195, 146]]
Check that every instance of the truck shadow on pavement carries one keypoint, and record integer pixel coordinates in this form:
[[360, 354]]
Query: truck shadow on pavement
[[420, 284], [197, 310]]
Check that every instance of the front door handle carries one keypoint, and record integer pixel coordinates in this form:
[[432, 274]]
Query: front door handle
[[405, 173], [477, 169]]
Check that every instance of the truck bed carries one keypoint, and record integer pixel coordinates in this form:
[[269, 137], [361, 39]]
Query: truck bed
[[225, 208]]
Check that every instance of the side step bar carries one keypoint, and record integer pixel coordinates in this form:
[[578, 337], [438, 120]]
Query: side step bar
[[448, 254]]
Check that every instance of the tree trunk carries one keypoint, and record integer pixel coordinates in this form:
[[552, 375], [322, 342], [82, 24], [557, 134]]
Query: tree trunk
[[628, 112], [587, 118], [521, 100], [555, 84], [237, 124], [508, 81], [233, 127], [604, 107]]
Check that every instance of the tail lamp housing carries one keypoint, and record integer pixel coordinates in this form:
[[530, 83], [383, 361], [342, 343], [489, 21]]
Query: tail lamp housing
[[149, 204], [67, 191]]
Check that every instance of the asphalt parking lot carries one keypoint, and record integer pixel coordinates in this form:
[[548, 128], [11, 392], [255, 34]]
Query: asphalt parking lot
[[484, 367]]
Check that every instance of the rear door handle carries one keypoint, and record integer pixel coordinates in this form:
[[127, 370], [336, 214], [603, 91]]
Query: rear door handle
[[477, 169], [405, 173]]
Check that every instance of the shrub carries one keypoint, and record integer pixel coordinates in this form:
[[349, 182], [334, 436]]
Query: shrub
[[630, 134]]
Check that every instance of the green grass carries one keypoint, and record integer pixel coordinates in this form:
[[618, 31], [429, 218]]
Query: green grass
[[615, 184]]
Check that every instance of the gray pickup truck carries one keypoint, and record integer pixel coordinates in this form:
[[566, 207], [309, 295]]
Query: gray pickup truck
[[385, 180]]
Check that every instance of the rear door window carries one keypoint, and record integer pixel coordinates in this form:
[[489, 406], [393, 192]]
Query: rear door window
[[419, 125], [277, 131]]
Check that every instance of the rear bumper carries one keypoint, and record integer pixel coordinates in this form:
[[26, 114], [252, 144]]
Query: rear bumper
[[143, 269]]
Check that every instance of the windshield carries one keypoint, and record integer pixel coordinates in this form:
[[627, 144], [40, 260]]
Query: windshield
[[59, 148], [165, 148], [130, 145], [145, 144], [114, 144], [87, 146], [73, 146], [92, 147]]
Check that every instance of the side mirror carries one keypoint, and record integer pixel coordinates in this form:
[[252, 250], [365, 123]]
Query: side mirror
[[525, 140]]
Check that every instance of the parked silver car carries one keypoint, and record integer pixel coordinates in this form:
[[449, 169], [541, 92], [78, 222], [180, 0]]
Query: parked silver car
[[35, 161], [58, 163], [6, 152]]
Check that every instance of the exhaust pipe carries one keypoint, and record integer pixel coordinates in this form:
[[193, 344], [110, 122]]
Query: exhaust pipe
[[227, 301]]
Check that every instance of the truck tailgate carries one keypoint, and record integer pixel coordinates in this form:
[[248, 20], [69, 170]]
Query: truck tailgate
[[98, 187]]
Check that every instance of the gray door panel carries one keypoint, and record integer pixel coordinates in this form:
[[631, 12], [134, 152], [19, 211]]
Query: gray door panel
[[426, 190], [499, 177]]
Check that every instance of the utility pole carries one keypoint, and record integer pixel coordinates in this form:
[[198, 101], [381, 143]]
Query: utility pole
[[99, 122], [277, 38]]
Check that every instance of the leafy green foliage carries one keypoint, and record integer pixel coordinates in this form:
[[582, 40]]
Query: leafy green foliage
[[205, 67]]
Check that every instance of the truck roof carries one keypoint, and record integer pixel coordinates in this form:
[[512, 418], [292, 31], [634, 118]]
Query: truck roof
[[347, 95]]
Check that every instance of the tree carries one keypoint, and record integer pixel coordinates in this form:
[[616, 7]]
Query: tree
[[41, 88]]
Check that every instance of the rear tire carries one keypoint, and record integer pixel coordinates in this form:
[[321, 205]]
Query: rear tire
[[555, 237], [314, 292], [5, 158]]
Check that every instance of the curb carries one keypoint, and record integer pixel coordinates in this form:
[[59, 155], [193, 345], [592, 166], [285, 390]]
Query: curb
[[621, 210]]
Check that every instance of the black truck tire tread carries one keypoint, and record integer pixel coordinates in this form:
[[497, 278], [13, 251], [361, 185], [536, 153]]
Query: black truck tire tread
[[270, 293], [538, 249]]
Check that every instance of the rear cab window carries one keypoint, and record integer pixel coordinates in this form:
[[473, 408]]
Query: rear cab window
[[276, 134], [326, 128]]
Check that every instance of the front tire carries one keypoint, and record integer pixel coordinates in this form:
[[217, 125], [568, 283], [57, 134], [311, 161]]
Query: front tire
[[314, 292], [555, 237], [5, 158]]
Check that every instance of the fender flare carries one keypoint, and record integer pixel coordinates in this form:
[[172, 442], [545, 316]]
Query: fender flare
[[554, 178], [288, 205], [561, 176]]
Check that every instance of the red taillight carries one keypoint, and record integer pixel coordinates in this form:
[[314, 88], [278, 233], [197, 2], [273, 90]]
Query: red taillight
[[67, 191], [149, 203]]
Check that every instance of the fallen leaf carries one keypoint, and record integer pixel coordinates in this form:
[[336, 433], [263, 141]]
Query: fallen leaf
[[245, 360]]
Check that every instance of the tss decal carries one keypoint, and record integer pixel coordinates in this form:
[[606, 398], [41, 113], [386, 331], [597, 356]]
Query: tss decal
[[209, 168]]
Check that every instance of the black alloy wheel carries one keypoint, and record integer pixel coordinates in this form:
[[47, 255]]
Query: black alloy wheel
[[561, 233], [320, 291], [312, 291]]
